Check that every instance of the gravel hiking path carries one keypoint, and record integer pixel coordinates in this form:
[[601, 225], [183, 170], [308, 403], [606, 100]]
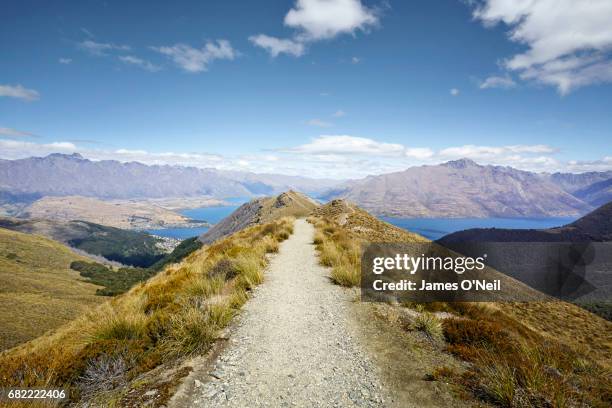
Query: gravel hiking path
[[294, 344]]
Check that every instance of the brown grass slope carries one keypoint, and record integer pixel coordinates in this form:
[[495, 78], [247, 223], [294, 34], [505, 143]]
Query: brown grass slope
[[546, 354], [38, 290], [259, 211], [346, 229], [141, 340]]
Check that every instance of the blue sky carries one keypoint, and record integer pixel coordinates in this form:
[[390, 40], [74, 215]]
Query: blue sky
[[328, 88]]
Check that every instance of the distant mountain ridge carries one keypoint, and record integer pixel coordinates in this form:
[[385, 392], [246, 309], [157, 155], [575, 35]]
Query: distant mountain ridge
[[61, 175], [463, 188]]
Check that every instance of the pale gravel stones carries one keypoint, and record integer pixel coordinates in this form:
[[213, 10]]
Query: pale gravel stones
[[293, 345]]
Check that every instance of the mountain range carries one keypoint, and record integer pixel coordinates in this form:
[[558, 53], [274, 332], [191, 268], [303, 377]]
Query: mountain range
[[62, 175], [460, 188], [463, 188]]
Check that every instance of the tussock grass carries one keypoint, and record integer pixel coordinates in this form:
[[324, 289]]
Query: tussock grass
[[514, 366], [345, 276], [338, 251], [177, 313], [120, 327], [429, 324]]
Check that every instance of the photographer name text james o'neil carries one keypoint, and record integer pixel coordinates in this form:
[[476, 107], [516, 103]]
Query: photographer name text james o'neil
[[409, 285]]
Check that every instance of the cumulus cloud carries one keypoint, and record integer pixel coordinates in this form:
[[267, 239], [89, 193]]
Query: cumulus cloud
[[324, 19], [347, 145], [139, 62], [101, 49], [504, 82], [19, 92], [276, 46], [196, 60], [491, 152], [568, 42], [315, 20], [65, 61], [454, 92], [8, 132]]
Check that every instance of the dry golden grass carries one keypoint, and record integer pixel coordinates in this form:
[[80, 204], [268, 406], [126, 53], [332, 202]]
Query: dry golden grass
[[339, 252], [176, 314], [39, 291], [548, 354]]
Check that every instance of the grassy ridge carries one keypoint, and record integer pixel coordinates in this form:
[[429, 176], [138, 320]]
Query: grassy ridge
[[178, 313], [124, 246], [550, 354], [38, 291]]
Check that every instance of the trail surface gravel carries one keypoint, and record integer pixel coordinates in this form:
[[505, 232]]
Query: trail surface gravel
[[294, 345]]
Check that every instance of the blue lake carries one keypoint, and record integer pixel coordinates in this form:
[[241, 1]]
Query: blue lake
[[432, 228], [435, 228], [211, 214], [178, 233]]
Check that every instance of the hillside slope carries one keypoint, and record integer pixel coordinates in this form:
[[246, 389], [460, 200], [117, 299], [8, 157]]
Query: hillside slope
[[461, 188], [124, 246], [518, 353], [113, 213], [573, 182], [363, 225], [132, 351], [597, 193], [38, 290], [259, 211]]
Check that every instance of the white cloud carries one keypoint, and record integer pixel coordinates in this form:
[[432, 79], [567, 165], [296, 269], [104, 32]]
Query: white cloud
[[65, 61], [318, 123], [492, 152], [101, 49], [197, 60], [139, 62], [603, 164], [355, 60], [19, 92], [347, 145], [339, 113], [8, 132], [504, 82], [316, 20], [454, 92], [421, 153], [276, 46], [324, 19], [568, 42]]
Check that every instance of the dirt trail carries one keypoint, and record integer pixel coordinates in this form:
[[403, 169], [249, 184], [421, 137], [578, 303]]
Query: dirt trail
[[294, 343]]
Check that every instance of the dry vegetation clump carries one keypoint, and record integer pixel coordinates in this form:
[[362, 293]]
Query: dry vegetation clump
[[515, 366], [338, 251], [429, 324], [178, 313]]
